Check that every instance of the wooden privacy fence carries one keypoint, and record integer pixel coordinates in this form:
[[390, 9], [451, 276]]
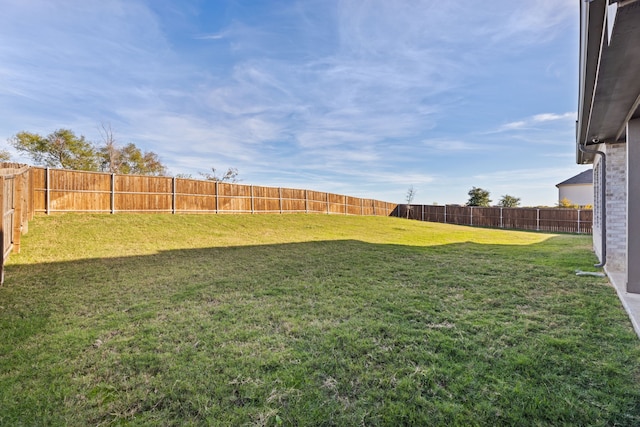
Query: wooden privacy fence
[[60, 190], [539, 219], [16, 209]]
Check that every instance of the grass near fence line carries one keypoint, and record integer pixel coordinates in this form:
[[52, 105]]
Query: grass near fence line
[[308, 320]]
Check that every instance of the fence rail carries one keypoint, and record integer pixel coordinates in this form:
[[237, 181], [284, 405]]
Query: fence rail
[[61, 190], [15, 205], [539, 219]]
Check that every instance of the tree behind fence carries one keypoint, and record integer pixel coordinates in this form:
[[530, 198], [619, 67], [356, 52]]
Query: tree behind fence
[[539, 219]]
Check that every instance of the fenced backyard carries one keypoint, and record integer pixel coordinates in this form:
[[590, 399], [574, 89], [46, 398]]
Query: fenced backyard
[[309, 320], [297, 319], [28, 190], [538, 219]]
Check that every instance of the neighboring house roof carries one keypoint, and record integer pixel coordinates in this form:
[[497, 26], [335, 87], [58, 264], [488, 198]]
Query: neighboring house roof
[[609, 68], [585, 177]]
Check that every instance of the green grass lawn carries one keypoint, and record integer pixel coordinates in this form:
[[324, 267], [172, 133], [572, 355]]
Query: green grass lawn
[[308, 320]]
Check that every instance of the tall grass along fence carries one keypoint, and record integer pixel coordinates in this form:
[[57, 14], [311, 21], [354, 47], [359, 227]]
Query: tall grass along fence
[[58, 190], [16, 203], [538, 219]]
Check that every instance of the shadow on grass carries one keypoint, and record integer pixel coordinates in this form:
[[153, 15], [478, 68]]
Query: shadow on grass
[[319, 333]]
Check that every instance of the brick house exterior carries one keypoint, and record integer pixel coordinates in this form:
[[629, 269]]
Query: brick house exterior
[[608, 131], [616, 208]]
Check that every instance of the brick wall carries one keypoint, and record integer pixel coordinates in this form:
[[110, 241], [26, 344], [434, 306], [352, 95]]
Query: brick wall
[[616, 202]]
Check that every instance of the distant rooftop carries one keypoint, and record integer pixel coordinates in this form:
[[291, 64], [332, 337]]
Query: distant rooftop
[[585, 177]]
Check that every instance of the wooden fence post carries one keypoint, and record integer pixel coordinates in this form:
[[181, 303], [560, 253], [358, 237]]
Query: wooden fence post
[[216, 196], [280, 199], [445, 214], [471, 215], [46, 191], [173, 195], [537, 219], [327, 195], [113, 193], [306, 201], [501, 222], [251, 189], [578, 221]]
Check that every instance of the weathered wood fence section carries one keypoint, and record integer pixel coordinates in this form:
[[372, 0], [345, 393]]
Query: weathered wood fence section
[[539, 219], [16, 209], [58, 190]]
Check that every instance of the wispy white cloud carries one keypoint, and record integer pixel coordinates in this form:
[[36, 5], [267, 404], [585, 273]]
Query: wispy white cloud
[[537, 21], [547, 117], [218, 36], [455, 146], [512, 125], [535, 121]]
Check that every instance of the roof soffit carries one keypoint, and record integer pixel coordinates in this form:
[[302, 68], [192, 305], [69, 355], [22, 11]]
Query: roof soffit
[[617, 86]]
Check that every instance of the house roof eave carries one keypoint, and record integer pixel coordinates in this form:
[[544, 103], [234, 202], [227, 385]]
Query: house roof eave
[[592, 21], [609, 93]]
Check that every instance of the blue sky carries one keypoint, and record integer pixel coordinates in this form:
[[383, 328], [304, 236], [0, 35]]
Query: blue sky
[[364, 98]]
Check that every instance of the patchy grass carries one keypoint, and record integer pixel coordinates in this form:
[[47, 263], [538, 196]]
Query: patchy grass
[[308, 320]]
